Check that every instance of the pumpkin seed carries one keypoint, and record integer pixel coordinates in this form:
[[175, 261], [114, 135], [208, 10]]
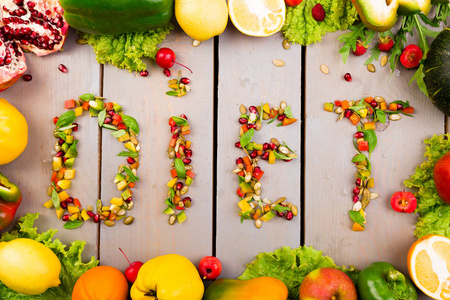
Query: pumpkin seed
[[57, 147], [188, 167], [324, 69], [395, 117], [248, 176], [341, 116], [50, 191], [364, 202], [121, 168], [379, 99], [172, 219], [272, 206], [196, 43], [128, 220], [266, 201], [278, 62], [110, 223], [289, 205], [357, 206], [81, 41], [373, 196], [257, 186], [294, 210], [235, 171], [130, 205], [275, 141], [243, 109], [89, 208], [384, 60], [258, 223], [284, 150], [184, 190], [283, 105], [257, 197], [280, 200], [338, 110], [286, 44]]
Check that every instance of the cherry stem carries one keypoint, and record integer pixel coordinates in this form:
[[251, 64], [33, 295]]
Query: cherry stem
[[183, 66], [125, 255]]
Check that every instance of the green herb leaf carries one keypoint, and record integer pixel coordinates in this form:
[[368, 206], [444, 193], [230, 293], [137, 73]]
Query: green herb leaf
[[356, 108], [172, 192], [101, 117], [181, 170], [55, 199], [356, 217], [279, 124], [288, 112], [280, 208], [131, 123], [172, 93], [109, 126], [245, 216], [244, 116], [66, 119], [371, 137], [381, 116], [118, 133], [418, 77], [62, 135], [271, 121], [349, 39], [374, 55], [180, 121], [130, 174], [247, 137], [241, 179], [280, 155], [405, 104], [66, 127], [73, 149], [73, 224], [169, 203], [87, 97], [128, 154], [359, 157]]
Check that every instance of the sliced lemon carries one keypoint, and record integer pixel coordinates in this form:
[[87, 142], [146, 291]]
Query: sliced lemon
[[257, 17]]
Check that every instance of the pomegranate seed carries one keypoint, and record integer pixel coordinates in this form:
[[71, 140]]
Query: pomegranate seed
[[358, 181], [76, 127], [373, 103], [64, 159], [355, 198], [252, 109], [348, 77], [266, 146], [69, 200], [96, 218], [144, 73], [187, 202], [287, 160], [187, 161], [257, 169], [111, 113], [254, 154], [181, 149], [348, 113], [90, 213], [243, 120], [188, 153], [65, 218], [250, 126], [280, 214], [27, 77], [179, 186], [130, 160], [272, 146], [185, 80], [108, 120], [281, 117], [166, 72], [289, 215], [61, 142], [60, 153], [175, 136], [399, 106], [239, 161], [63, 204], [238, 145], [62, 68], [265, 156], [359, 135], [55, 120], [355, 190], [129, 199], [183, 116]]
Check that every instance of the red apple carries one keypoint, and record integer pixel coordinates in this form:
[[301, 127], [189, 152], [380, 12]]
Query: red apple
[[404, 202], [209, 267], [441, 175], [327, 284], [293, 2]]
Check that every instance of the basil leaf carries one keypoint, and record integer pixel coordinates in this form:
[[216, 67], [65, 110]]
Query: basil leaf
[[356, 108], [371, 137], [359, 157], [241, 179], [62, 135], [356, 217], [244, 116], [279, 124], [73, 149], [288, 112], [87, 97], [66, 127], [55, 199], [128, 154], [271, 121], [101, 117], [66, 119], [245, 215], [73, 224], [247, 137], [118, 133], [179, 166], [280, 208], [131, 123], [130, 174], [172, 93], [169, 203], [381, 116], [281, 156], [110, 127], [172, 192], [405, 104], [179, 121]]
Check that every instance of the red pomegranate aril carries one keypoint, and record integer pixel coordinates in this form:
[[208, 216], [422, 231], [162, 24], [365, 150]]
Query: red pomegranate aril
[[280, 214], [289, 215], [108, 120], [111, 113], [399, 106], [187, 161], [348, 77], [144, 73], [265, 156], [358, 181], [60, 153], [243, 121], [287, 160], [185, 80], [266, 146], [240, 161], [257, 170], [355, 198], [31, 4], [65, 158], [76, 127], [254, 154], [173, 128], [183, 116], [188, 153], [359, 135], [252, 109], [90, 213], [373, 103], [250, 126], [61, 141], [348, 113], [65, 218], [238, 145], [355, 190], [272, 146], [181, 149], [179, 186], [63, 204], [96, 218], [62, 68], [166, 72], [281, 117], [130, 160], [55, 120], [69, 200]]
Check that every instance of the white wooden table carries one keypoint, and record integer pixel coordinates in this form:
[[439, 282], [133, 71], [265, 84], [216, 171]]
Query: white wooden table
[[231, 70]]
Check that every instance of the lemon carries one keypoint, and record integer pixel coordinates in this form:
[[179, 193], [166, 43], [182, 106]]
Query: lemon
[[257, 17], [28, 267], [201, 20]]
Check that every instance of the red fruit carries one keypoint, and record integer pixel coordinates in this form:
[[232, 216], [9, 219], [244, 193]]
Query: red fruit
[[403, 202], [348, 77], [385, 44], [411, 56], [185, 80], [360, 48], [441, 176], [209, 267], [318, 12], [166, 72], [55, 120], [62, 68], [293, 2], [144, 73], [165, 58], [27, 77], [327, 283], [12, 65], [132, 271]]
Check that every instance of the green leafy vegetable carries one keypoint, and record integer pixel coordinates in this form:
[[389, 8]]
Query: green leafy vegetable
[[118, 133], [87, 97], [172, 93], [73, 224], [359, 157], [288, 112], [279, 155], [126, 50], [291, 266], [101, 117], [279, 208], [72, 266], [179, 167], [128, 154], [356, 217], [55, 199], [66, 119], [357, 32], [381, 116], [247, 137], [131, 123], [110, 127], [434, 213], [179, 121]]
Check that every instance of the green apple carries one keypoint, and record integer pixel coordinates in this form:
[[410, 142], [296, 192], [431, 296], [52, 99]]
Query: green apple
[[412, 7]]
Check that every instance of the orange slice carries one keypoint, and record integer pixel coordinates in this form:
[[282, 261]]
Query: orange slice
[[429, 266], [257, 17]]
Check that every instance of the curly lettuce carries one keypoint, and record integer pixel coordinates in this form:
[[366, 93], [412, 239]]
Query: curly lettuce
[[300, 26], [125, 51], [434, 213], [291, 266], [72, 266]]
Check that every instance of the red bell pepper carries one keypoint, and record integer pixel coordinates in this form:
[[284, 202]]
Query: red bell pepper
[[363, 146], [10, 199]]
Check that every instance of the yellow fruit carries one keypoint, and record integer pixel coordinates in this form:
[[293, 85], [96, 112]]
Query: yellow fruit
[[257, 17], [28, 267], [13, 132], [429, 266], [202, 19]]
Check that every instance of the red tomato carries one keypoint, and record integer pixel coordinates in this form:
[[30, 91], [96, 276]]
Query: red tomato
[[293, 2]]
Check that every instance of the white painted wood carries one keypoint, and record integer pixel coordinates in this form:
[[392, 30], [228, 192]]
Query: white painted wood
[[247, 76], [329, 172], [39, 101], [144, 99]]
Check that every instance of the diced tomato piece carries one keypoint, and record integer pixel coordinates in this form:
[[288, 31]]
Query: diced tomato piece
[[363, 146], [132, 185], [337, 103], [368, 99], [76, 202], [86, 105], [69, 104], [121, 126], [408, 110], [172, 122], [173, 172], [109, 106], [190, 174]]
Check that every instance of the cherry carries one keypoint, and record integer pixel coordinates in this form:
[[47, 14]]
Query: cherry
[[209, 267], [132, 271], [165, 58]]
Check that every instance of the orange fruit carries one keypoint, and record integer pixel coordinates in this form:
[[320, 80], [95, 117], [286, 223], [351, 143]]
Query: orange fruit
[[257, 17], [101, 283], [429, 266]]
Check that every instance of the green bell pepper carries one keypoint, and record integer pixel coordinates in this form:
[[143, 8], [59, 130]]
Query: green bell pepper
[[382, 281], [118, 16], [10, 199]]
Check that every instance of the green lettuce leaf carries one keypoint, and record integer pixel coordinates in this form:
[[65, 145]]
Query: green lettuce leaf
[[300, 26], [434, 213], [126, 50], [72, 266], [291, 266]]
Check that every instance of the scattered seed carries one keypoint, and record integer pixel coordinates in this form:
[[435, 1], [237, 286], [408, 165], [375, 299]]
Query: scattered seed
[[110, 223], [286, 44], [81, 41], [379, 99], [283, 105], [275, 141], [256, 197], [50, 191], [280, 200], [324, 69], [371, 68], [266, 201], [27, 77], [243, 109], [373, 196], [284, 150], [62, 68], [294, 210], [395, 117], [258, 223], [89, 208], [172, 219], [237, 170], [384, 60], [338, 110], [278, 62], [257, 186], [357, 206], [341, 116], [128, 220], [196, 43]]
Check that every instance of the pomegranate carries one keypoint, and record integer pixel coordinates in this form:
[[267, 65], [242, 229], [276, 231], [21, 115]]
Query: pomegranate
[[12, 63]]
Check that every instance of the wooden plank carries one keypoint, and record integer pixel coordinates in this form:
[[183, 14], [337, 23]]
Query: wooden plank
[[39, 101], [247, 76], [144, 98], [329, 173]]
